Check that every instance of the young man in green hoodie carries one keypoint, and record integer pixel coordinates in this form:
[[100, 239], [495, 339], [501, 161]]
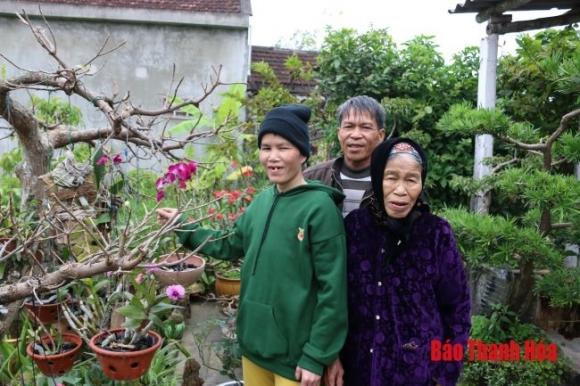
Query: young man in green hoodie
[[292, 319]]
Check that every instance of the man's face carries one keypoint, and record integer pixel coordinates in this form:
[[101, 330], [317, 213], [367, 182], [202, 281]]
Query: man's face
[[359, 134]]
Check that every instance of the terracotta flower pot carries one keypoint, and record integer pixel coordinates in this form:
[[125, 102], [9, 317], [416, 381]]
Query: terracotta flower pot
[[226, 286], [46, 313], [57, 364], [186, 277], [126, 365]]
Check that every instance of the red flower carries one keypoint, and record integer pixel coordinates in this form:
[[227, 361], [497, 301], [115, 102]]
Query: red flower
[[160, 195], [232, 216], [250, 190], [211, 211], [218, 194], [219, 216], [117, 159]]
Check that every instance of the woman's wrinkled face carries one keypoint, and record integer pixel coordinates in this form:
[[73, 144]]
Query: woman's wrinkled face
[[402, 185]]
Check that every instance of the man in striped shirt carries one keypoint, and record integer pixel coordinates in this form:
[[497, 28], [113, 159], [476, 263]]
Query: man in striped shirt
[[361, 129]]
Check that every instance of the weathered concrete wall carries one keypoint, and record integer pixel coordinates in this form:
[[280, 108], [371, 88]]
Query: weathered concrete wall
[[155, 42]]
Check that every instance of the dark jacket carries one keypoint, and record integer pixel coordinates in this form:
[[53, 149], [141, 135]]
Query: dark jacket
[[402, 295], [329, 174], [293, 294]]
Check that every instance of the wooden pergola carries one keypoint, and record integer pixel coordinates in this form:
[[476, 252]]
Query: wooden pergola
[[499, 22]]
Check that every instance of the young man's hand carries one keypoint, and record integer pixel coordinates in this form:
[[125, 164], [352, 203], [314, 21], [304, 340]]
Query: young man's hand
[[166, 214], [306, 378], [333, 374]]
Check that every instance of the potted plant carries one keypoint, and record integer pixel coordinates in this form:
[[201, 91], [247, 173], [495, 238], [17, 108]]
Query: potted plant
[[46, 307], [558, 307], [227, 278], [228, 283], [126, 353], [178, 268], [54, 356]]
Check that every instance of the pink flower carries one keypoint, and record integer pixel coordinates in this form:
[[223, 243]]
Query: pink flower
[[175, 292], [192, 166], [103, 160], [117, 159], [160, 195], [160, 183]]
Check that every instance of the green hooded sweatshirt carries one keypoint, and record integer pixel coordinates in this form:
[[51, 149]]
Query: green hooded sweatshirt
[[293, 309]]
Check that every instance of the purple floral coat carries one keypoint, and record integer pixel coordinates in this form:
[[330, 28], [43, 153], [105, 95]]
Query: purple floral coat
[[402, 294]]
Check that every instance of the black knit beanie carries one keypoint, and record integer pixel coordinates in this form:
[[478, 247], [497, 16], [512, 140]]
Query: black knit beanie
[[290, 122], [379, 160]]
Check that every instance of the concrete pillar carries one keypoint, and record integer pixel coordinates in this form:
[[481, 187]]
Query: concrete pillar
[[486, 96]]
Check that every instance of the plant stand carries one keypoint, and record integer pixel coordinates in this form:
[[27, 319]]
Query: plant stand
[[57, 364], [127, 365]]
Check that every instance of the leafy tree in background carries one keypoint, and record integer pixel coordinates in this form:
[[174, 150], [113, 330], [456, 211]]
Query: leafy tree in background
[[416, 87], [529, 83]]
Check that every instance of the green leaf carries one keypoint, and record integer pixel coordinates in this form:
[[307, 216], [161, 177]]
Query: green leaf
[[181, 128], [103, 219], [160, 307], [134, 310]]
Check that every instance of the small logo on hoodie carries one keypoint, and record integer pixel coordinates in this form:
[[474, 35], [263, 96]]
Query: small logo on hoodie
[[300, 235]]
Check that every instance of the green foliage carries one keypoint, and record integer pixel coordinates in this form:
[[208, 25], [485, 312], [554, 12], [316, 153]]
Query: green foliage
[[486, 240], [502, 326], [422, 70], [145, 305], [272, 93], [561, 286], [465, 120], [9, 183], [351, 64], [54, 111], [540, 83], [568, 147], [539, 189]]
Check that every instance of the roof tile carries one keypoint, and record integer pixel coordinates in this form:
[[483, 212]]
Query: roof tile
[[276, 57], [216, 6]]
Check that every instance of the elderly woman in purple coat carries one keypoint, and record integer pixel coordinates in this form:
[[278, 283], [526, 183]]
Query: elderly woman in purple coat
[[406, 283]]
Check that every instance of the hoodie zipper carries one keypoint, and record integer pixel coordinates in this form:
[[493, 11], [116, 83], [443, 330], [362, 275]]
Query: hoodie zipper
[[266, 227]]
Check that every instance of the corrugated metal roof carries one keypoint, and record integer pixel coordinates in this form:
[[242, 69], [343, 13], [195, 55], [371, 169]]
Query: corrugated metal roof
[[217, 6], [476, 6]]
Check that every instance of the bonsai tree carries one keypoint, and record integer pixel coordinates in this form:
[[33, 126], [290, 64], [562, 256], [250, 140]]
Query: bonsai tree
[[535, 194], [537, 198]]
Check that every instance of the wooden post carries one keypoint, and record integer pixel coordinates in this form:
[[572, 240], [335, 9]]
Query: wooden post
[[485, 100]]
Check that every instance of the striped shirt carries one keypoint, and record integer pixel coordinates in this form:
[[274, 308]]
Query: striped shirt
[[354, 185]]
